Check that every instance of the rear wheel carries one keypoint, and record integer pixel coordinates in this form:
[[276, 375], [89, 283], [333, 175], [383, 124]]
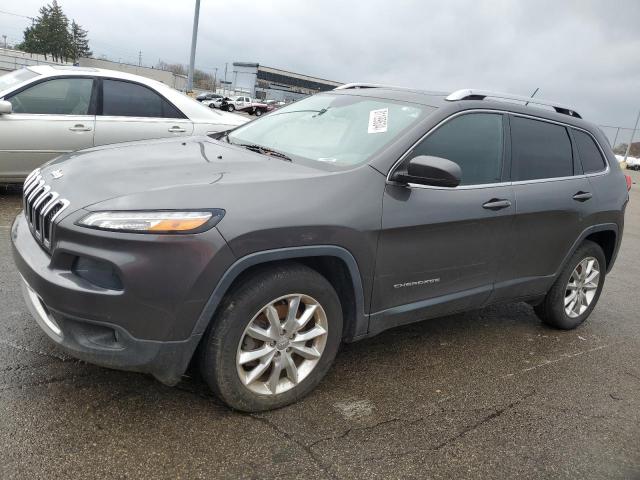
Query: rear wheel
[[577, 289], [230, 108], [273, 339]]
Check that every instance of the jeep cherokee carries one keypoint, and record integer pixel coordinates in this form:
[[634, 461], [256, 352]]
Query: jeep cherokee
[[258, 251]]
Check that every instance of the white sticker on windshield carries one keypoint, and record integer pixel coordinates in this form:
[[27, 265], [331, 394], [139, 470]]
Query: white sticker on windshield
[[378, 120]]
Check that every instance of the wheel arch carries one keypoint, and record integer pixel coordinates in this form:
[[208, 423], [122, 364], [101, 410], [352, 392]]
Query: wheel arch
[[606, 235], [335, 263]]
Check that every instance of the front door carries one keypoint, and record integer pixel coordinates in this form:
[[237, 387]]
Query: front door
[[49, 118], [439, 247], [131, 111]]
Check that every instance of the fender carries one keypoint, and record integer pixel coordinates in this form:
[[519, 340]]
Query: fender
[[585, 233], [361, 323]]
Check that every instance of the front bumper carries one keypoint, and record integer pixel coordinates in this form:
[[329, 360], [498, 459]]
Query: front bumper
[[140, 328]]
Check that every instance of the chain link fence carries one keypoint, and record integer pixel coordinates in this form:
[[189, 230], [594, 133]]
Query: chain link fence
[[619, 137]]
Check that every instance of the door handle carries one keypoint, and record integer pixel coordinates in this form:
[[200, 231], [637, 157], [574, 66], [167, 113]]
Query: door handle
[[496, 204], [176, 129], [582, 196], [80, 128]]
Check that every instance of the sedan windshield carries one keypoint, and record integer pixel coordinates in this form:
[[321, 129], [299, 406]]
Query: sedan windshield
[[341, 130], [16, 77]]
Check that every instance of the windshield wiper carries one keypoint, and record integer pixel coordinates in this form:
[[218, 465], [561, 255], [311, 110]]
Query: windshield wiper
[[264, 150]]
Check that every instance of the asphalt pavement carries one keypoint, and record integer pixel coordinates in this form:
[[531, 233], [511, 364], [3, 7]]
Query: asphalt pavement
[[486, 394]]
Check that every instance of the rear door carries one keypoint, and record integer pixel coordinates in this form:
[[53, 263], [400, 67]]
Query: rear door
[[49, 118], [552, 200], [439, 247], [131, 111]]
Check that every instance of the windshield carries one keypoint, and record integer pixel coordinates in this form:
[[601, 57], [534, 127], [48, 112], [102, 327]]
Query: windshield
[[16, 77], [341, 130]]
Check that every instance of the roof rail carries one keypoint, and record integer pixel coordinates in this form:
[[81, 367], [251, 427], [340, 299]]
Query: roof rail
[[348, 86], [470, 94]]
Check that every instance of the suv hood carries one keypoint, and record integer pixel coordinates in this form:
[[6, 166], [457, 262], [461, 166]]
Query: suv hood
[[171, 173]]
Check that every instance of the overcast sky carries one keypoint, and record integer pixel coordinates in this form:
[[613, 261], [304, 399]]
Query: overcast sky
[[579, 52]]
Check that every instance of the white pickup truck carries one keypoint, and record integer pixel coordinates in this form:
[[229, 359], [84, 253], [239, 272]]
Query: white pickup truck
[[244, 104]]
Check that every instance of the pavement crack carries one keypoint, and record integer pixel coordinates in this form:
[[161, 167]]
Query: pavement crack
[[291, 438], [482, 421], [633, 375], [354, 429]]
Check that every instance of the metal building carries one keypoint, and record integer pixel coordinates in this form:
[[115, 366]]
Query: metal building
[[263, 82]]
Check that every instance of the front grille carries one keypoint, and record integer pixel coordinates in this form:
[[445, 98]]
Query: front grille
[[41, 207]]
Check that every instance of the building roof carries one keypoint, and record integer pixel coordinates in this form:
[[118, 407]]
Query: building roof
[[288, 73]]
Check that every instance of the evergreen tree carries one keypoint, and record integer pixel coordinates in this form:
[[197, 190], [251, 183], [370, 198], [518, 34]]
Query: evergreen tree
[[59, 41], [52, 35], [79, 42]]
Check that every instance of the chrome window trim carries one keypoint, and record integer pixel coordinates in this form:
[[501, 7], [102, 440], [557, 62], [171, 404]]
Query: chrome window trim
[[499, 184]]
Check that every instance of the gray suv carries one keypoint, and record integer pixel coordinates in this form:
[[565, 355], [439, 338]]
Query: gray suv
[[256, 252]]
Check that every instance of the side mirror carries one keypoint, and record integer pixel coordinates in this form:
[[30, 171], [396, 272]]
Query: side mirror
[[5, 107], [434, 171]]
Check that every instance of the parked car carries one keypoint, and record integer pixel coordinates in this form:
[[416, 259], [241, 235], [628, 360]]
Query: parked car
[[46, 111], [214, 102], [242, 103], [208, 96], [348, 213], [273, 104]]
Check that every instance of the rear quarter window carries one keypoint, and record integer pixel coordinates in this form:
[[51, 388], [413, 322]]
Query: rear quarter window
[[590, 155], [540, 150]]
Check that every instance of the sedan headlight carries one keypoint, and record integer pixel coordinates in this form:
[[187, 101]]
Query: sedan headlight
[[153, 221]]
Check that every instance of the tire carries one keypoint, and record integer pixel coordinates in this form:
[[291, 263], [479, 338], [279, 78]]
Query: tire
[[230, 108], [211, 105], [220, 359], [258, 112], [553, 309]]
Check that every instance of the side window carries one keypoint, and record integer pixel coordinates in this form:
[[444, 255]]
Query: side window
[[540, 150], [473, 141], [125, 99], [61, 96], [590, 155]]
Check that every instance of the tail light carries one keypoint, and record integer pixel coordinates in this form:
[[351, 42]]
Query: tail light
[[629, 181]]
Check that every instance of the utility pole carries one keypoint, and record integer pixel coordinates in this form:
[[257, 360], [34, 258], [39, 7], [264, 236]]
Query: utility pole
[[215, 80], [4, 37], [633, 132], [140, 58], [194, 39], [225, 79]]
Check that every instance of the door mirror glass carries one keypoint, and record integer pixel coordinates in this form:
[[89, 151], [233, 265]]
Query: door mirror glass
[[433, 171], [5, 107]]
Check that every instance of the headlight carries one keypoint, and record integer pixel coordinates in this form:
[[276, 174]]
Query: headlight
[[153, 221]]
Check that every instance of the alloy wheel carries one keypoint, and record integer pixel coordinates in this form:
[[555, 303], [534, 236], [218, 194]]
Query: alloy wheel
[[282, 344], [582, 286]]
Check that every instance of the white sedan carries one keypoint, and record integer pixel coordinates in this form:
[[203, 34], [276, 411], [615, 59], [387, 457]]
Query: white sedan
[[46, 111]]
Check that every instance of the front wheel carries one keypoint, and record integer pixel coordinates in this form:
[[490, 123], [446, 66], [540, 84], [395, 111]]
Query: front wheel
[[258, 112], [577, 289], [273, 339]]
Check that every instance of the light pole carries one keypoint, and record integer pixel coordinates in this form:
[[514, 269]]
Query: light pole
[[225, 79], [215, 80], [194, 39], [4, 37]]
